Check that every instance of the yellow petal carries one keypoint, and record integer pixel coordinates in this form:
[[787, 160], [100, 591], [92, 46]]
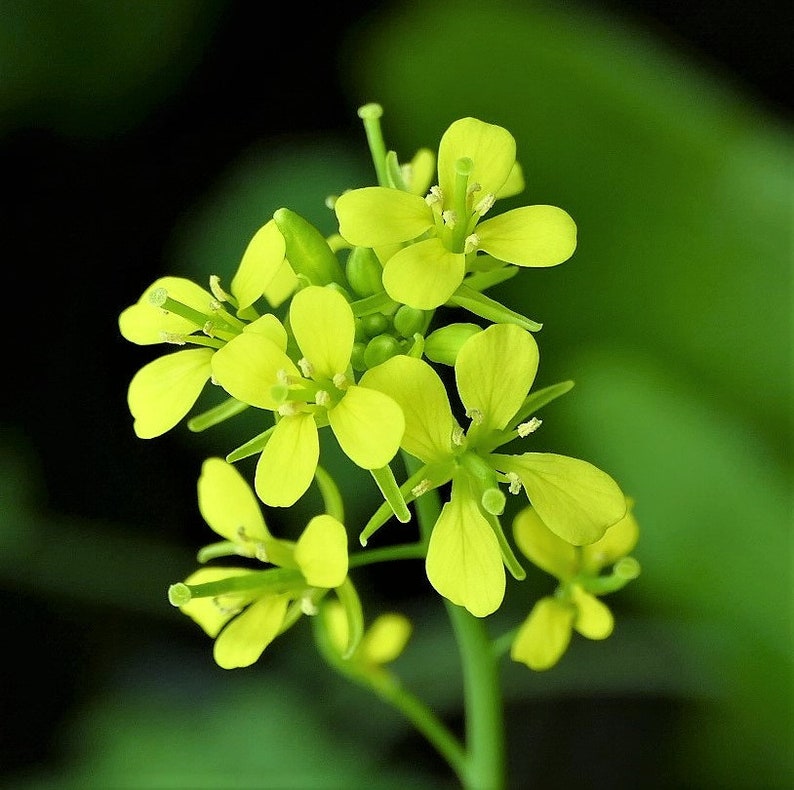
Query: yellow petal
[[323, 324], [321, 552], [385, 639], [494, 371], [282, 286], [261, 261], [540, 545], [423, 275], [464, 561], [491, 148], [368, 426], [269, 326], [248, 366], [287, 465], [593, 618], [514, 184], [422, 398], [163, 392], [228, 504], [245, 638], [576, 501], [144, 324], [529, 236], [618, 541], [210, 613], [545, 634], [373, 216], [420, 171]]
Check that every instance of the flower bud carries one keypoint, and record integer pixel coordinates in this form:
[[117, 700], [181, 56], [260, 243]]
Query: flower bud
[[364, 272], [374, 324], [409, 321], [379, 349], [443, 345]]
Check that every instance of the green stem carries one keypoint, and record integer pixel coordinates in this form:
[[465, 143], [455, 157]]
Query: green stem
[[409, 551], [485, 764]]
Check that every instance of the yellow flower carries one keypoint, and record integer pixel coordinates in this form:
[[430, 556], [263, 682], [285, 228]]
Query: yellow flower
[[546, 633], [476, 166]]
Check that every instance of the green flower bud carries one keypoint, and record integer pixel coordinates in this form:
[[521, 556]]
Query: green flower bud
[[364, 272], [307, 250], [443, 345], [409, 321], [379, 349], [374, 324], [357, 357]]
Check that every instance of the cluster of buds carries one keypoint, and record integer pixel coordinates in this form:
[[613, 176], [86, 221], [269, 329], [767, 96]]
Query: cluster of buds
[[342, 332]]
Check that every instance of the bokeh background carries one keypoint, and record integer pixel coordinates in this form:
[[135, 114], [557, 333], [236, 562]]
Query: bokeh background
[[150, 138]]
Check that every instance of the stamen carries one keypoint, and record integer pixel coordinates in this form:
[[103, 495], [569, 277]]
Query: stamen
[[472, 243], [260, 552], [306, 367], [526, 428], [515, 483], [226, 609], [435, 196], [308, 606], [323, 398], [475, 415], [458, 436], [289, 409], [216, 290], [485, 204], [450, 218], [473, 187], [340, 381], [172, 337], [422, 487], [283, 377]]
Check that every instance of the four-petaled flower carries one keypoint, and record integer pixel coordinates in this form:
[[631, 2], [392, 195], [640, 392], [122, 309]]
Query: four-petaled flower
[[546, 633], [494, 371], [319, 390], [244, 610], [476, 166]]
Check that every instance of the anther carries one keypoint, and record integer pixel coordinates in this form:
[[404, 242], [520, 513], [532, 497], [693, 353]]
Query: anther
[[323, 398], [225, 608], [306, 367], [458, 436], [515, 483], [472, 243], [289, 409], [526, 428], [450, 218], [473, 187], [282, 376], [217, 291], [172, 337], [475, 415], [485, 204], [260, 552], [435, 196], [422, 487], [308, 606], [340, 381]]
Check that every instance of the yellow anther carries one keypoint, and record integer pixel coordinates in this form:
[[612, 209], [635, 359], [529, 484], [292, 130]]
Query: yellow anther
[[475, 415], [225, 608], [526, 428], [217, 291], [323, 398], [282, 377], [435, 196], [473, 187], [340, 381], [450, 218], [306, 367], [308, 606], [515, 483], [421, 488], [289, 409], [172, 337], [485, 204], [260, 552], [458, 436], [472, 243]]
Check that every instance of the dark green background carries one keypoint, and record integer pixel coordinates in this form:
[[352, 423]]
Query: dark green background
[[151, 138]]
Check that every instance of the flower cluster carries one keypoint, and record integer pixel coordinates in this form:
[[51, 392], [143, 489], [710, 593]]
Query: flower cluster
[[343, 332]]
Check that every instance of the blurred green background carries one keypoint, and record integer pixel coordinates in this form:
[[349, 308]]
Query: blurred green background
[[150, 138]]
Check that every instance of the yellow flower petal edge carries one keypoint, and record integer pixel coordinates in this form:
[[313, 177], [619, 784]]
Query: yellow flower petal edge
[[228, 504], [162, 392], [321, 552], [245, 638], [535, 236], [323, 325], [287, 465], [593, 620], [424, 275], [544, 635], [494, 371], [422, 398], [260, 263], [540, 545], [464, 561]]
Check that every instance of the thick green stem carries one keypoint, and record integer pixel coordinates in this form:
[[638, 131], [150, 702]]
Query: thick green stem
[[485, 764]]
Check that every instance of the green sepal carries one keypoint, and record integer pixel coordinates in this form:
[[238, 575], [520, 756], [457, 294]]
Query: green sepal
[[307, 249], [490, 309], [394, 172], [509, 558], [481, 280], [442, 346], [349, 599], [251, 447], [377, 303], [216, 415]]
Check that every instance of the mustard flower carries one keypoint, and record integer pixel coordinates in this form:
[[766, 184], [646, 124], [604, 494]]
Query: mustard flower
[[467, 551], [244, 610], [177, 311], [319, 390], [476, 166], [545, 635]]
